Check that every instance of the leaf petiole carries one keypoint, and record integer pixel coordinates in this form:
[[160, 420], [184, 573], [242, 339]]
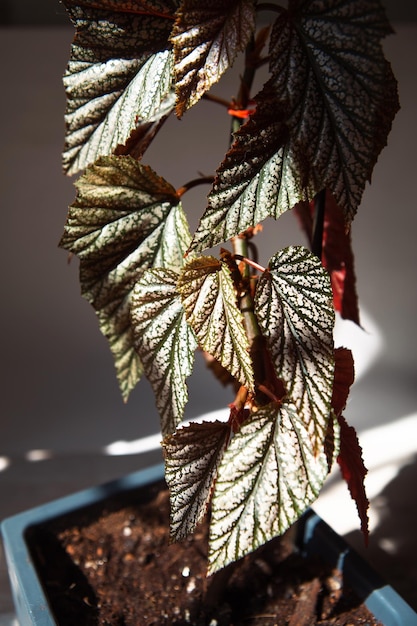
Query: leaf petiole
[[256, 266], [202, 180]]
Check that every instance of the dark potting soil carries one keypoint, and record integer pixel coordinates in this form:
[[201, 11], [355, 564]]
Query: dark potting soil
[[119, 569]]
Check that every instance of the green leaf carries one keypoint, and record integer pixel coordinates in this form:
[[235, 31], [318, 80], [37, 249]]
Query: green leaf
[[209, 300], [207, 37], [293, 304], [192, 456], [332, 78], [164, 341], [119, 77], [124, 220], [268, 476]]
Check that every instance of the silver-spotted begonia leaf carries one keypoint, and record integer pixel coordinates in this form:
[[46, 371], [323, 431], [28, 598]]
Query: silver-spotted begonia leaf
[[192, 456], [268, 476], [294, 307], [207, 36], [119, 77], [330, 73], [209, 300], [124, 220], [164, 341], [321, 119]]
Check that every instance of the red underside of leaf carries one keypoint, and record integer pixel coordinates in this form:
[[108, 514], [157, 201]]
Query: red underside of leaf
[[337, 255], [344, 375], [354, 472]]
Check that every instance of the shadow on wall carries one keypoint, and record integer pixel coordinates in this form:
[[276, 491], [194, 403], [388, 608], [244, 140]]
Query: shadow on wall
[[392, 549]]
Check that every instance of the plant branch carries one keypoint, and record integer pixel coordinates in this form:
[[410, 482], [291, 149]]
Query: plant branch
[[253, 264], [202, 180], [212, 98], [318, 223]]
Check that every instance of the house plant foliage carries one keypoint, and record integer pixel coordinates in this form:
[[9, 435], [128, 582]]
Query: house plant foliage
[[306, 142]]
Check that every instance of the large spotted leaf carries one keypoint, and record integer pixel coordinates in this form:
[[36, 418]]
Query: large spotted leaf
[[164, 341], [293, 304], [331, 75], [209, 300], [192, 456], [268, 476], [259, 177], [321, 120], [124, 220], [207, 36], [119, 79]]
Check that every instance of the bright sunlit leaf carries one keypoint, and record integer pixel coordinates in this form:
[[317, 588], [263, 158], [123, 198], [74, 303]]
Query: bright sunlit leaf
[[119, 77], [267, 478], [207, 36], [164, 341], [192, 455], [321, 120], [257, 179], [332, 78], [124, 220], [209, 300], [295, 312]]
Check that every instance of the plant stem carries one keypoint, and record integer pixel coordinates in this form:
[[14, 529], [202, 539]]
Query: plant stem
[[222, 101], [318, 223], [251, 263], [202, 180]]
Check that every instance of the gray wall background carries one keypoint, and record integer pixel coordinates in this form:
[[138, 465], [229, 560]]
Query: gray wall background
[[28, 12]]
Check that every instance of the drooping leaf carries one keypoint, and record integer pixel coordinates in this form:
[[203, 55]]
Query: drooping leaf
[[331, 76], [332, 441], [344, 375], [257, 179], [207, 37], [354, 471], [210, 303], [293, 304], [337, 255], [268, 476], [192, 455], [320, 121], [119, 77], [164, 341], [124, 220]]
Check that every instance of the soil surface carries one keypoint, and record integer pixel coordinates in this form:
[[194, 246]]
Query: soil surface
[[120, 570]]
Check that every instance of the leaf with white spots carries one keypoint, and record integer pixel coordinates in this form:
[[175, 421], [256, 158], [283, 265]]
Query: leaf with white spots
[[321, 120], [209, 299], [164, 341], [207, 36], [124, 220], [267, 478], [332, 78], [294, 307], [192, 455], [258, 178], [119, 78]]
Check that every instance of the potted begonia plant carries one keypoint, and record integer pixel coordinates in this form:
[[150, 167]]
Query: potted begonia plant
[[305, 141]]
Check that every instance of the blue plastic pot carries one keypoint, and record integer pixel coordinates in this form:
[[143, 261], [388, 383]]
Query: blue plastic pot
[[314, 536]]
